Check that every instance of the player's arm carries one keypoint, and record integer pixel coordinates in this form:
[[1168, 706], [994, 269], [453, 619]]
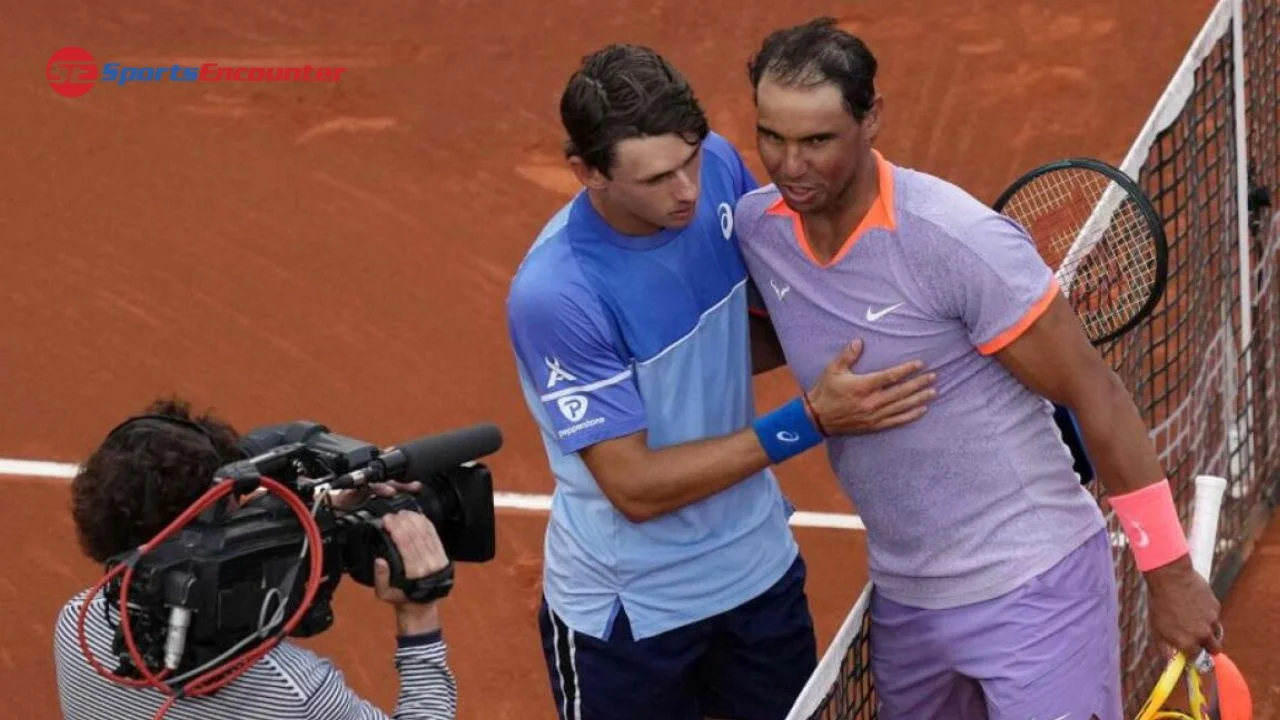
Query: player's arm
[[1054, 357], [588, 393], [766, 349], [1014, 310], [644, 483], [1011, 305]]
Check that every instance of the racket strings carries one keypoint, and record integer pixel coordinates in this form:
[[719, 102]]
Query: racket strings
[[1094, 235]]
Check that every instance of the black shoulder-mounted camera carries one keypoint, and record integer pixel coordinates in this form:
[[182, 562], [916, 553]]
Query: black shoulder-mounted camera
[[225, 582]]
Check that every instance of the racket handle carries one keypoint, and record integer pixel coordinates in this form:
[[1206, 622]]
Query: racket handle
[[1204, 522]]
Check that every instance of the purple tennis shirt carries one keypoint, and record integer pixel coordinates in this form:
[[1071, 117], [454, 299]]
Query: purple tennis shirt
[[978, 496]]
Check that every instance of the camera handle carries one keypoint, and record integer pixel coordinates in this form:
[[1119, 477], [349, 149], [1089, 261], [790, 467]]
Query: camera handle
[[370, 540], [420, 590]]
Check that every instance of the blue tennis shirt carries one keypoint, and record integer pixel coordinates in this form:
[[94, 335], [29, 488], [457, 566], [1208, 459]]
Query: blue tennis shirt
[[615, 334]]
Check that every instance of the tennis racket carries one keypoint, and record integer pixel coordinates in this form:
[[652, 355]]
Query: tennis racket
[[1100, 234], [1215, 688]]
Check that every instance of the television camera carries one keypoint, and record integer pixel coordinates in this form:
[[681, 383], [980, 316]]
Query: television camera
[[224, 577]]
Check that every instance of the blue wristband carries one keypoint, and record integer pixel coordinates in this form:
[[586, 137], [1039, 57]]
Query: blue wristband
[[786, 432]]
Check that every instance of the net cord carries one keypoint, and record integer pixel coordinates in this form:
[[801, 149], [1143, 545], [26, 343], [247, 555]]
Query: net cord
[[1167, 110], [827, 673]]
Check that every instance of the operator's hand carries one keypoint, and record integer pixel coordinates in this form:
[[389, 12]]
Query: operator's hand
[[850, 404], [420, 550], [1183, 609], [423, 554]]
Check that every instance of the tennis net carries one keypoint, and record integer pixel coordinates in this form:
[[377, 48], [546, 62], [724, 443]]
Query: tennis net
[[1204, 369]]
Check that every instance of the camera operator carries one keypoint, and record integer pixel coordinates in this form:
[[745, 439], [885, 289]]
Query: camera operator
[[143, 476]]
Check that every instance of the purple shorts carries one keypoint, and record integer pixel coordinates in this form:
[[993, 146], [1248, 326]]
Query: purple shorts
[[1049, 650]]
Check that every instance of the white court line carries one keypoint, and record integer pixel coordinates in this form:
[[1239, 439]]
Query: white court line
[[503, 500], [38, 468]]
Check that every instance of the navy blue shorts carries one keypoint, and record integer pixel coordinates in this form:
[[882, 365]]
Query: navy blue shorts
[[749, 663]]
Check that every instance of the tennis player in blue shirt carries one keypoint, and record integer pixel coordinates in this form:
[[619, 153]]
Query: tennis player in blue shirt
[[673, 587]]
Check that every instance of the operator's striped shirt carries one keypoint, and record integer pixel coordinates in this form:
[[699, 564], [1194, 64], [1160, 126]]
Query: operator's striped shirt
[[288, 682]]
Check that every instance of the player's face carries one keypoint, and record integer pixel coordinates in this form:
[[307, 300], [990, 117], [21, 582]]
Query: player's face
[[811, 146], [654, 184]]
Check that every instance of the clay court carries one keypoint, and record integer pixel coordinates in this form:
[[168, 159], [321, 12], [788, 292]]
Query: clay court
[[341, 252]]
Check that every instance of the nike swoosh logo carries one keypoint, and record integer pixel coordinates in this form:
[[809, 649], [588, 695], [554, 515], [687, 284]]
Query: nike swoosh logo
[[875, 315], [1143, 539]]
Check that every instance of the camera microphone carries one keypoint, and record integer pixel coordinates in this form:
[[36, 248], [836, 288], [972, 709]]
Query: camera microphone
[[420, 459]]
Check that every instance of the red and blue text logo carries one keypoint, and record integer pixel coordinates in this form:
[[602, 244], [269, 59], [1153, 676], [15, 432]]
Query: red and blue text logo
[[72, 72]]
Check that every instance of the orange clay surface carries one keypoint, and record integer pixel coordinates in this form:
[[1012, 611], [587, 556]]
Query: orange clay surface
[[341, 252]]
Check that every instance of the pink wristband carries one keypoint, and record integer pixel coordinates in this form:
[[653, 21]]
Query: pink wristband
[[1151, 523]]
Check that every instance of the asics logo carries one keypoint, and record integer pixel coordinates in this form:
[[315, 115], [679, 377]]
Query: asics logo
[[726, 219]]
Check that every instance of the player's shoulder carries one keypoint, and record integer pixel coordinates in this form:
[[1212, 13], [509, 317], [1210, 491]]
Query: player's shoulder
[[549, 281], [752, 211], [546, 285], [926, 196], [941, 210], [723, 170], [550, 255], [721, 150]]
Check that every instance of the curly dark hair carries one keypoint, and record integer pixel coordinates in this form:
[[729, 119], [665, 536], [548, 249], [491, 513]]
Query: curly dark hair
[[815, 52], [147, 471], [624, 91]]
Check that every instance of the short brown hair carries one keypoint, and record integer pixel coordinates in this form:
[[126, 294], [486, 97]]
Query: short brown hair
[[147, 471], [819, 51], [624, 91]]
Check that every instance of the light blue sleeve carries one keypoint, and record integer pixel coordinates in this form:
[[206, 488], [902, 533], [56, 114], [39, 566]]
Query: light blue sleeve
[[563, 341]]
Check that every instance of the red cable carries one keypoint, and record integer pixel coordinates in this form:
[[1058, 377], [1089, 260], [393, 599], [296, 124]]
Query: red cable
[[213, 495], [210, 681]]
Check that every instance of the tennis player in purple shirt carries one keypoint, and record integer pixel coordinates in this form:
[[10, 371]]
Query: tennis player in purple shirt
[[994, 589]]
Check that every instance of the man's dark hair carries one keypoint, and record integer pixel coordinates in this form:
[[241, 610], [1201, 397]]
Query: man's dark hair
[[626, 91], [818, 51], [146, 472]]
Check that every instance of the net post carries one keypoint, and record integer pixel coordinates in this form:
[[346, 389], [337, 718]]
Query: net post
[[1241, 473]]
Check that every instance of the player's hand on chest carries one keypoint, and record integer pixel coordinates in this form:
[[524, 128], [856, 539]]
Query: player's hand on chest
[[815, 316]]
